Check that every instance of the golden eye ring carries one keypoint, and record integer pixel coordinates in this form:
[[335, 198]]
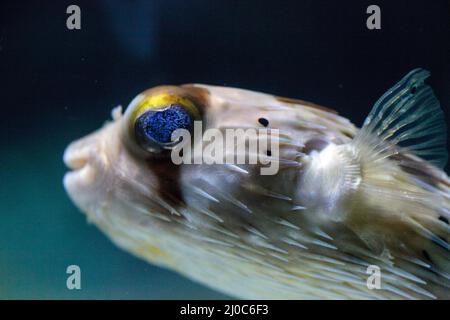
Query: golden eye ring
[[156, 117]]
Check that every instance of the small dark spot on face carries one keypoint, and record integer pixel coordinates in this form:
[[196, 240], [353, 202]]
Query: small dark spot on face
[[444, 219], [263, 121], [413, 90], [269, 153], [426, 255]]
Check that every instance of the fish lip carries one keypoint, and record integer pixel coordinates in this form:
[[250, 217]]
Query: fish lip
[[84, 167], [86, 173], [74, 159]]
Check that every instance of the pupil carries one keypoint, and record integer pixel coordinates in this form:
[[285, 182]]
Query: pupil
[[159, 125]]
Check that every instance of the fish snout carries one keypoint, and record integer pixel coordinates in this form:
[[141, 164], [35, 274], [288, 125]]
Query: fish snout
[[87, 162], [76, 155], [77, 159]]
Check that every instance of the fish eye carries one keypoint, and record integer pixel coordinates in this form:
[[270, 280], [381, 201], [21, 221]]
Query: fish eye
[[156, 117], [157, 126]]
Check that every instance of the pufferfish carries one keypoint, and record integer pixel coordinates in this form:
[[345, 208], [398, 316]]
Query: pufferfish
[[344, 203]]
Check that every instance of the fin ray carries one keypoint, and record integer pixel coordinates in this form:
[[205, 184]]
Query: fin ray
[[409, 117]]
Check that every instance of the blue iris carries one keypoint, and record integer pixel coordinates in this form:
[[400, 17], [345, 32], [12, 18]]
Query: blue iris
[[159, 125]]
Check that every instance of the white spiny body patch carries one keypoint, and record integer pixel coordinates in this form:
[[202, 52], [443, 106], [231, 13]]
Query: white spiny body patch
[[343, 199], [331, 175]]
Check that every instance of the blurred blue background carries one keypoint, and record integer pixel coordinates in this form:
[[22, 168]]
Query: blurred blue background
[[57, 85]]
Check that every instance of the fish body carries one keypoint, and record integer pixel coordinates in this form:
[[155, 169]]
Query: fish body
[[343, 200]]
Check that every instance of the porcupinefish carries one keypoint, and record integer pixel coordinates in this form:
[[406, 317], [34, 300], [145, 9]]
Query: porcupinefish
[[343, 199]]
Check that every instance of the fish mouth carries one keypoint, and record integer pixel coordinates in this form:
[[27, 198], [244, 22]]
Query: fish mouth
[[82, 173], [74, 160], [88, 161], [83, 176], [81, 181]]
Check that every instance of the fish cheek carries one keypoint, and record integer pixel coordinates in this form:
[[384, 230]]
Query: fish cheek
[[167, 175]]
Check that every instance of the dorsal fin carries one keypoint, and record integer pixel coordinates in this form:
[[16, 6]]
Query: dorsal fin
[[407, 116]]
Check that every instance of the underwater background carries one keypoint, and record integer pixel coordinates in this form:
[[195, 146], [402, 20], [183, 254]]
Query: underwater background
[[58, 85]]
